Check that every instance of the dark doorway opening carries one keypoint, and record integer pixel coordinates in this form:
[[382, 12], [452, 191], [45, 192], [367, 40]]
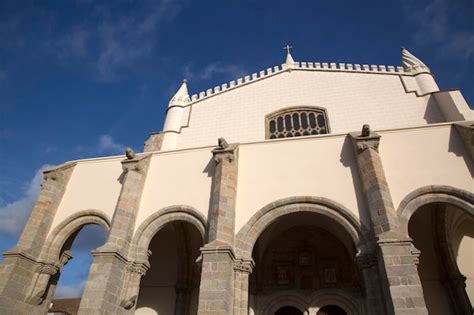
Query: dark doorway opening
[[288, 310]]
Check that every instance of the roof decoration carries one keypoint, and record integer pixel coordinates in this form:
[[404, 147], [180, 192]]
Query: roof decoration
[[411, 63], [182, 95], [289, 58]]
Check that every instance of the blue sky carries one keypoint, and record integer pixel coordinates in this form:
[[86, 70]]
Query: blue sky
[[86, 78]]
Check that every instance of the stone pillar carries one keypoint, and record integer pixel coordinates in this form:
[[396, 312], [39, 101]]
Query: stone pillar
[[106, 284], [374, 298], [216, 292], [242, 268], [21, 271], [397, 257]]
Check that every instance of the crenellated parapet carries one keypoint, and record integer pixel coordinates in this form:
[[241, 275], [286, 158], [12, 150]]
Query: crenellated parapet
[[299, 66]]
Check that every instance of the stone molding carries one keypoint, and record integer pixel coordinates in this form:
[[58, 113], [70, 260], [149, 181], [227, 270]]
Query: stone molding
[[429, 194], [249, 233], [156, 221]]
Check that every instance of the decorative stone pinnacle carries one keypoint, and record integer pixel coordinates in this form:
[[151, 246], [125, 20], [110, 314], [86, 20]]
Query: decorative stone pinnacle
[[182, 95], [411, 63]]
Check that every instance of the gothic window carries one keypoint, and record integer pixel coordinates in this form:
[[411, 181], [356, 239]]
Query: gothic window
[[296, 122]]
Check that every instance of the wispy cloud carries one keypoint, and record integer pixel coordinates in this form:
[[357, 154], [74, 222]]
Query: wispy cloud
[[214, 69], [69, 291], [14, 215], [435, 27], [108, 40], [107, 144]]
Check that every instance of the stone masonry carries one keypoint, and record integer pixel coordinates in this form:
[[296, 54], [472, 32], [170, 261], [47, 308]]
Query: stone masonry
[[21, 264], [216, 295], [105, 286], [397, 257]]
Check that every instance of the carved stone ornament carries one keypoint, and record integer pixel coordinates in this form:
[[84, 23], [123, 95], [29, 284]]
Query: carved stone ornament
[[130, 154], [131, 167], [415, 254], [139, 269], [366, 260], [224, 151], [129, 303], [244, 265], [47, 269], [368, 144]]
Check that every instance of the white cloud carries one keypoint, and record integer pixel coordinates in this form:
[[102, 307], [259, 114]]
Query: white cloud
[[108, 145], [69, 291], [214, 69], [14, 215]]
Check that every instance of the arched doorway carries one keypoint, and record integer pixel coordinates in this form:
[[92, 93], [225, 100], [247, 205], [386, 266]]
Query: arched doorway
[[288, 310], [331, 310], [171, 285], [444, 234], [301, 255]]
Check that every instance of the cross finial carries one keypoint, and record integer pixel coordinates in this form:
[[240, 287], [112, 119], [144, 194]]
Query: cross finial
[[288, 47]]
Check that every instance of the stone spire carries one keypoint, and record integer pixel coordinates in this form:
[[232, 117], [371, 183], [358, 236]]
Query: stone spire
[[289, 58], [411, 63], [182, 95]]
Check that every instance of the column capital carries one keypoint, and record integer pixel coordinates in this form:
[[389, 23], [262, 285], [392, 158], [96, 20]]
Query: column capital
[[245, 265], [137, 164], [225, 151], [365, 140], [367, 260]]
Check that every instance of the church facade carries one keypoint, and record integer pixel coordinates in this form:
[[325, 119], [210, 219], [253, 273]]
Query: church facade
[[307, 188]]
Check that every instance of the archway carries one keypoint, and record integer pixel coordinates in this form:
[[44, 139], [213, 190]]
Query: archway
[[300, 254], [288, 310], [76, 236], [444, 234], [171, 285], [331, 310]]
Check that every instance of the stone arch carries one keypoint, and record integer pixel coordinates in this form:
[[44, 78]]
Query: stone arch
[[437, 200], [283, 299], [155, 222], [433, 194], [61, 233], [249, 233], [338, 298]]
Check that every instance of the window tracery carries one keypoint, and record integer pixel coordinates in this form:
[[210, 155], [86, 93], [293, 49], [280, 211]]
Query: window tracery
[[296, 122]]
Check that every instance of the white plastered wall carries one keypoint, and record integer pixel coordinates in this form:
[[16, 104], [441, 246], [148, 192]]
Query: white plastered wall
[[414, 158], [177, 178], [351, 99], [321, 166], [94, 185]]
